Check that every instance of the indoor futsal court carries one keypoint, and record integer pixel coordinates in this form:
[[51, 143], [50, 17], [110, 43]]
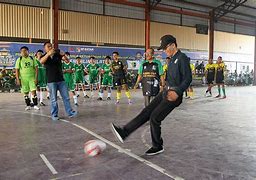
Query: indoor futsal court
[[127, 89], [199, 145]]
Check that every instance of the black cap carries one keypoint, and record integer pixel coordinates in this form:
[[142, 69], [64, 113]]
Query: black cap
[[165, 40]]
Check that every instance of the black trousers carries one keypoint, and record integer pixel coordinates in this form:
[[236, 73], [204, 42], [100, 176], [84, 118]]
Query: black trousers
[[155, 112]]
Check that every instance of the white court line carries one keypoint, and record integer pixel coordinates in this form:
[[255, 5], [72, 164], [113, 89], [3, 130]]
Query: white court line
[[119, 148], [68, 176], [48, 164]]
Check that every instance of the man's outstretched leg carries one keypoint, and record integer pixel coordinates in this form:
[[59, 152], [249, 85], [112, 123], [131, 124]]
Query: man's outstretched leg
[[122, 133]]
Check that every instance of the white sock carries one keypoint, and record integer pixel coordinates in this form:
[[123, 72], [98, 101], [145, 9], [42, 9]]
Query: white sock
[[91, 93], [48, 94], [75, 99], [31, 97], [109, 94], [41, 96], [77, 92], [101, 95]]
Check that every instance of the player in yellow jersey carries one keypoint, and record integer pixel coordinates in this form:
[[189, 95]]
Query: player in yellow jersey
[[220, 68], [190, 92], [210, 71]]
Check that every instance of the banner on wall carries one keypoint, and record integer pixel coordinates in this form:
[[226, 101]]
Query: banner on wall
[[9, 52]]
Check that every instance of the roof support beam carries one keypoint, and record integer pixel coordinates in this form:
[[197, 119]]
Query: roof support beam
[[227, 7], [147, 24], [184, 12]]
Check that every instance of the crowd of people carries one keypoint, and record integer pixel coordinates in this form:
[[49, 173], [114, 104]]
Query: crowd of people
[[52, 71], [112, 74], [7, 80]]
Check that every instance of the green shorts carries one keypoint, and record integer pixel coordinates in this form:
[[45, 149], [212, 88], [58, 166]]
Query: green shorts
[[28, 85], [93, 79], [42, 82], [70, 84], [79, 79], [107, 81]]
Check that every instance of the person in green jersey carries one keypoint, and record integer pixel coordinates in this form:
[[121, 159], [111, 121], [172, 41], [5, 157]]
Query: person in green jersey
[[68, 69], [93, 70], [42, 81], [79, 76], [107, 78], [26, 76]]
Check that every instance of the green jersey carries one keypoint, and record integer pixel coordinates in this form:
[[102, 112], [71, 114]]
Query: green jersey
[[79, 70], [27, 67], [41, 70], [160, 66], [93, 69], [107, 69], [68, 66]]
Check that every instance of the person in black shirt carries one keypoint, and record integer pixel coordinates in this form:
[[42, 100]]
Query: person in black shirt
[[53, 64], [151, 75], [119, 77], [179, 77]]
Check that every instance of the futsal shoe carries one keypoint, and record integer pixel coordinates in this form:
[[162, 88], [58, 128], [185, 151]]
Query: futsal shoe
[[55, 118], [36, 108], [224, 97], [42, 104], [155, 150], [73, 114], [99, 99], [86, 96], [118, 132], [108, 98], [129, 101], [217, 96], [117, 102], [76, 104], [27, 108]]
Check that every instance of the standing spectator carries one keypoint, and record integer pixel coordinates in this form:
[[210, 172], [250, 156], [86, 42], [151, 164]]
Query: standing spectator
[[53, 64]]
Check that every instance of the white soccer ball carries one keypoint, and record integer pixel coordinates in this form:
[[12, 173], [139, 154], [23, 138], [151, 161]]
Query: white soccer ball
[[94, 147]]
